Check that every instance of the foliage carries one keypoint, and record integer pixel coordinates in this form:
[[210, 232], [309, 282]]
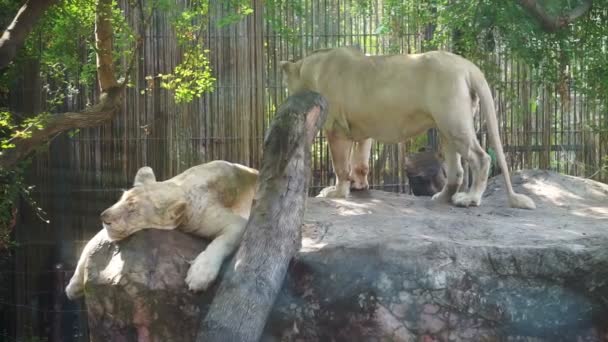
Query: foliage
[[65, 29], [12, 187], [9, 8], [192, 77], [474, 28], [10, 131], [63, 45], [274, 15], [12, 184], [240, 9]]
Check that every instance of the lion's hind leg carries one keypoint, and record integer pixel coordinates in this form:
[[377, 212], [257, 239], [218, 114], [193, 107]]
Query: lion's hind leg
[[479, 164], [359, 163], [455, 122], [454, 173], [340, 147]]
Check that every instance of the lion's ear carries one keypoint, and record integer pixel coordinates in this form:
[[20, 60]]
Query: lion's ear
[[144, 175], [290, 68], [177, 212], [285, 65]]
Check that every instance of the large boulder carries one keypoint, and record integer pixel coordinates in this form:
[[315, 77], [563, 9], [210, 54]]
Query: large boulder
[[392, 267]]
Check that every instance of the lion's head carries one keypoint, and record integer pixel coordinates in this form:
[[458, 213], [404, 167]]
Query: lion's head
[[291, 76], [149, 204]]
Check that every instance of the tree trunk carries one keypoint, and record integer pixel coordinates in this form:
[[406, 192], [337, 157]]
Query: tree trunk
[[104, 45], [247, 292], [14, 36]]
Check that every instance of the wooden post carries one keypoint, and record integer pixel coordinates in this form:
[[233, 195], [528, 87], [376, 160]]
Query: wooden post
[[254, 277]]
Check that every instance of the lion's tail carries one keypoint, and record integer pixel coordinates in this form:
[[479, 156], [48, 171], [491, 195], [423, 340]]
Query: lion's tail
[[479, 84]]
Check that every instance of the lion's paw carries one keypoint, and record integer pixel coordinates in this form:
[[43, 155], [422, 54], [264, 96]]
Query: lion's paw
[[202, 273], [465, 199], [74, 290], [359, 185], [359, 182], [333, 192]]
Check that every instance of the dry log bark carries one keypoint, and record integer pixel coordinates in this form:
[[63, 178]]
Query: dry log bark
[[247, 292]]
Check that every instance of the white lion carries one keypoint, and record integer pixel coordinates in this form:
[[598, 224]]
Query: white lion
[[391, 99], [212, 200]]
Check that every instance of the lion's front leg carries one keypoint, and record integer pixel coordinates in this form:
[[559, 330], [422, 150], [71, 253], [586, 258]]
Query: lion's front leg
[[75, 288], [340, 148], [206, 267], [359, 163]]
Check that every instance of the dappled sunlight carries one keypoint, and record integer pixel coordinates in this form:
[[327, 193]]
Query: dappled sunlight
[[551, 192], [584, 198], [311, 245], [592, 212], [347, 202], [342, 211], [349, 208]]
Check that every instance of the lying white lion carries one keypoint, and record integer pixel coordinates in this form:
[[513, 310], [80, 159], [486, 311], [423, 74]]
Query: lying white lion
[[393, 98], [212, 200]]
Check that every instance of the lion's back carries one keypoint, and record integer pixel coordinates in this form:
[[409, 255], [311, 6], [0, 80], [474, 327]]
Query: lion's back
[[227, 182], [210, 173], [373, 96]]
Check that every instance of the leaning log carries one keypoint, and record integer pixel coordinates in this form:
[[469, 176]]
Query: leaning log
[[254, 277]]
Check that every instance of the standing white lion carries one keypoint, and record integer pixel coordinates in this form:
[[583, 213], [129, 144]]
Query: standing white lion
[[393, 98], [212, 200]]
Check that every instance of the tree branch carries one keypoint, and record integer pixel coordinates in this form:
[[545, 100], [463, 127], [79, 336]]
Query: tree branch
[[109, 103], [14, 36], [551, 23]]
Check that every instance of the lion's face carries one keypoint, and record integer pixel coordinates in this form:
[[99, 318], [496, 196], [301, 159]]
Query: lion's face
[[149, 204]]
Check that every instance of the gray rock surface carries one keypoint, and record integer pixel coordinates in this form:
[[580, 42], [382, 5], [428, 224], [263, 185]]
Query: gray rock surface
[[388, 267]]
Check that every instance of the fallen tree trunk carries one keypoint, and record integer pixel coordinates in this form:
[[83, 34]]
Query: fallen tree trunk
[[248, 290]]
